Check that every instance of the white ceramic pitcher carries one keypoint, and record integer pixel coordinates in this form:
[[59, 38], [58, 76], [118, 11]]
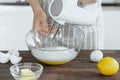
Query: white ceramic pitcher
[[67, 11]]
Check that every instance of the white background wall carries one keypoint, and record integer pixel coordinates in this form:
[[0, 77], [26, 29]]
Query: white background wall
[[112, 27], [16, 21]]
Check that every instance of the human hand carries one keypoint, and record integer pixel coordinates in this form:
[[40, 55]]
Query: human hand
[[39, 23]]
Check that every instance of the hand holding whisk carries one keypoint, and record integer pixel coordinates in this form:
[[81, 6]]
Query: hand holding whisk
[[43, 40]]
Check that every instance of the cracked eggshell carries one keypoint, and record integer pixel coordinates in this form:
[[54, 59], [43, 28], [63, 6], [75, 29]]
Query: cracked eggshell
[[15, 59], [96, 55], [14, 52], [4, 58]]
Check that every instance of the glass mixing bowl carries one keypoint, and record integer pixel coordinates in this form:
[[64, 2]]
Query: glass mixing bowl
[[62, 49], [26, 71]]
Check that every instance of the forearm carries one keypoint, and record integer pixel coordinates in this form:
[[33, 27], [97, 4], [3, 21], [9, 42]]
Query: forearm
[[35, 4]]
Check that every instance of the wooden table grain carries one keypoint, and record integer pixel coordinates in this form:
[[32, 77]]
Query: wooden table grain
[[81, 68]]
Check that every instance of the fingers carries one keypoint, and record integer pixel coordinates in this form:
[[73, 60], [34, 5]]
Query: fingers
[[54, 30], [41, 26], [41, 31], [44, 25], [87, 1], [45, 32]]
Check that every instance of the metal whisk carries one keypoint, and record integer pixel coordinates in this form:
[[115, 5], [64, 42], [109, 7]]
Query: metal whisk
[[52, 42]]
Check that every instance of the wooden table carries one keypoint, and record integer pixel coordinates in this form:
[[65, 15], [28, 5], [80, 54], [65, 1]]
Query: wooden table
[[80, 68]]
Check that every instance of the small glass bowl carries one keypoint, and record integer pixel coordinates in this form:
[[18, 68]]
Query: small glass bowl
[[32, 71]]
